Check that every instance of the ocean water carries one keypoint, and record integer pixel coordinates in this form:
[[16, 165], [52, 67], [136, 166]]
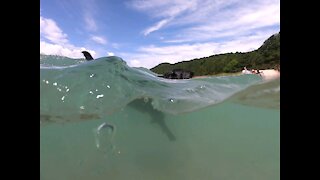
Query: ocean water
[[105, 120]]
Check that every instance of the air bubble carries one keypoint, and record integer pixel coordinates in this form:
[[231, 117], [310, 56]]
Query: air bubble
[[100, 96]]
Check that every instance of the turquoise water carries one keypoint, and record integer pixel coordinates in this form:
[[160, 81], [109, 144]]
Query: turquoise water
[[212, 128]]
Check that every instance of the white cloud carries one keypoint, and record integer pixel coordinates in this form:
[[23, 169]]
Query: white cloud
[[156, 27], [110, 53], [50, 31], [56, 49], [90, 9], [58, 42], [167, 9], [135, 63], [115, 45], [99, 40], [91, 24], [163, 8], [204, 20]]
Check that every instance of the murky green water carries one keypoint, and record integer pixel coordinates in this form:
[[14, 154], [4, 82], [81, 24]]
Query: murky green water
[[227, 141], [105, 120]]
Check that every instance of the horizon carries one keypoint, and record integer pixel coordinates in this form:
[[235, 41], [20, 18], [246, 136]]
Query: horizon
[[147, 33]]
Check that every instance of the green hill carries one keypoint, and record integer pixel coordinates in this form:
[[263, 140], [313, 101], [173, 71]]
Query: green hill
[[265, 57]]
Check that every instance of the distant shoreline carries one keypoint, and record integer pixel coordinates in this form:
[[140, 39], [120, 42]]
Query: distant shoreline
[[265, 57], [267, 74], [220, 74]]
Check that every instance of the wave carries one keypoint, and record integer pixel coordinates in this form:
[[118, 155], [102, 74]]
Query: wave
[[74, 89]]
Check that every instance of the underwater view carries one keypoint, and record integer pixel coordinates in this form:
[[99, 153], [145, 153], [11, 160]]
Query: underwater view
[[103, 119]]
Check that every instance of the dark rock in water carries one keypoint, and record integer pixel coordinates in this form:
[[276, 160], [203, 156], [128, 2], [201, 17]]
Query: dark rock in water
[[87, 55], [178, 74]]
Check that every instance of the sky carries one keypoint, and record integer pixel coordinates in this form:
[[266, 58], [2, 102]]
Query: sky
[[146, 33]]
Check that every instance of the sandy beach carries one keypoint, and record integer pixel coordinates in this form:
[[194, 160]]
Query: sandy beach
[[269, 74], [266, 74]]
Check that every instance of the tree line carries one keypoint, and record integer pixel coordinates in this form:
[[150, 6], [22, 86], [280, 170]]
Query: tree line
[[265, 57]]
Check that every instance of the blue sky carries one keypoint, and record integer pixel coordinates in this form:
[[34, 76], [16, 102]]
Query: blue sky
[[147, 32]]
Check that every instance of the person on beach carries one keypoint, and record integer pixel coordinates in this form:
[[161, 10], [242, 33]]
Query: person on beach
[[258, 72], [245, 71]]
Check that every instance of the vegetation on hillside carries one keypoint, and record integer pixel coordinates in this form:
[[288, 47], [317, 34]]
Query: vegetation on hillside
[[265, 57]]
